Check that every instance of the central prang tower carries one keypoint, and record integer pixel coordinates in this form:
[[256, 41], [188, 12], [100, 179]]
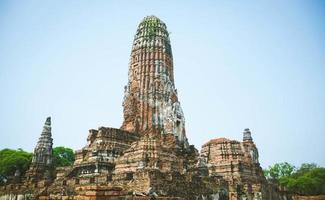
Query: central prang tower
[[150, 101]]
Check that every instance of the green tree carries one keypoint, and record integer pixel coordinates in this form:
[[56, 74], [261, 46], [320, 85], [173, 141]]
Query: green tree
[[311, 182], [13, 160], [305, 167], [279, 170], [308, 179], [63, 156]]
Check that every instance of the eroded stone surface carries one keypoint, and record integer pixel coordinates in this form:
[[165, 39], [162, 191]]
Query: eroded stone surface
[[150, 100], [41, 168], [149, 157], [237, 162]]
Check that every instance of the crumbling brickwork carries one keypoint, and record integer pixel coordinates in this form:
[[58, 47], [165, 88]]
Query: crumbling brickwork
[[41, 167], [237, 162], [150, 99], [149, 156]]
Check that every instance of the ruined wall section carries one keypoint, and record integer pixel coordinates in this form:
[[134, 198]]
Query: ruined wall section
[[237, 162], [104, 146], [153, 151]]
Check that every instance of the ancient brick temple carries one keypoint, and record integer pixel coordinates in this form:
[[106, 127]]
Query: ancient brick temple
[[41, 169], [149, 156]]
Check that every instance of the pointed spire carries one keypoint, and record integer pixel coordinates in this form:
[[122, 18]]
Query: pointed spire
[[43, 150], [48, 121], [247, 136]]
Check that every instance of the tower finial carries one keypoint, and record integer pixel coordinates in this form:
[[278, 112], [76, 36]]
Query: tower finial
[[247, 135], [48, 121]]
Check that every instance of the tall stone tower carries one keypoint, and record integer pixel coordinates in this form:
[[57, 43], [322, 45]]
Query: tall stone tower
[[150, 101], [250, 146], [43, 150], [41, 167]]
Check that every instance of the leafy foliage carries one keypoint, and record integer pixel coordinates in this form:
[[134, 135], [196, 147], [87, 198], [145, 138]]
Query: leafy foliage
[[19, 160], [279, 170], [63, 156], [305, 167], [309, 179], [12, 160]]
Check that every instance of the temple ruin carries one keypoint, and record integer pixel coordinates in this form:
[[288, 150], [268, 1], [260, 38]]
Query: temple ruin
[[149, 156]]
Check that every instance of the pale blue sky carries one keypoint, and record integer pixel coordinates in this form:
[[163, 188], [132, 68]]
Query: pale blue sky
[[238, 64]]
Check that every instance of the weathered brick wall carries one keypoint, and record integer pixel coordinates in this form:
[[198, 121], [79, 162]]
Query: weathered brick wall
[[107, 197], [319, 197]]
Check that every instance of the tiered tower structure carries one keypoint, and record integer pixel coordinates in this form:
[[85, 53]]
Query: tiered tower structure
[[41, 168], [237, 162], [150, 101], [149, 156]]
